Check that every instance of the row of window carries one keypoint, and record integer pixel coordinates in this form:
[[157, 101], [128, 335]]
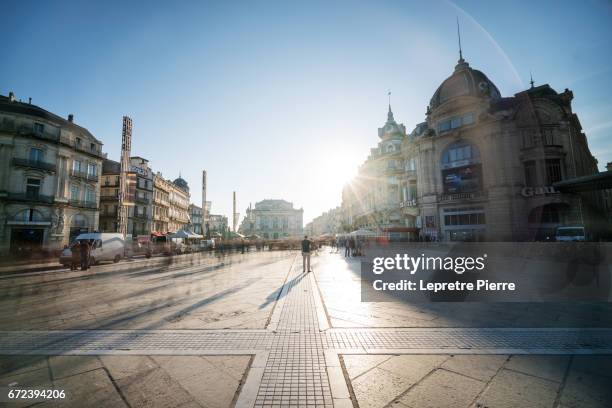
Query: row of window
[[39, 129], [456, 122], [547, 138], [75, 193], [465, 219], [33, 187], [91, 169]]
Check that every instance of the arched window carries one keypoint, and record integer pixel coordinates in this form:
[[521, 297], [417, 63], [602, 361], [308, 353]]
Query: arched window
[[28, 215]]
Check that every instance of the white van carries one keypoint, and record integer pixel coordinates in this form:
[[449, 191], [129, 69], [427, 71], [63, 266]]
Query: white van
[[105, 246], [570, 234]]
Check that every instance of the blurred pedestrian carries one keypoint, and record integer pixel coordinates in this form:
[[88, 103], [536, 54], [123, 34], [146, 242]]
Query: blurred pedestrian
[[76, 256], [351, 245], [85, 252]]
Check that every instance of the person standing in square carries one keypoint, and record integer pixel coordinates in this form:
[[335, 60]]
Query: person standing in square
[[306, 247]]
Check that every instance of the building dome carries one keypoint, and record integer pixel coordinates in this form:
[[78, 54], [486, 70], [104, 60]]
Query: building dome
[[465, 81], [181, 183]]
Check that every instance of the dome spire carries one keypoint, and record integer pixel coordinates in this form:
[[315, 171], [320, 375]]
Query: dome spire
[[390, 113], [459, 38]]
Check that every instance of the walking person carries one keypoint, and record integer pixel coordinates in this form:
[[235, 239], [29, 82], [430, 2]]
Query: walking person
[[306, 247], [347, 249], [85, 250], [76, 256], [351, 245]]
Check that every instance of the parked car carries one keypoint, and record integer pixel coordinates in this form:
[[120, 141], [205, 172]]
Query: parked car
[[104, 247], [207, 244]]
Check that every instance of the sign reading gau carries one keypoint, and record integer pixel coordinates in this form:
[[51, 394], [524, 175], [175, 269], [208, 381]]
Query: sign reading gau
[[536, 191]]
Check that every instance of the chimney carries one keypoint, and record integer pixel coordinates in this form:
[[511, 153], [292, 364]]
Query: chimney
[[70, 118], [30, 100], [11, 96]]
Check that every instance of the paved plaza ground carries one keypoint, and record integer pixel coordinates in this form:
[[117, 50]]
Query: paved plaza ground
[[253, 330]]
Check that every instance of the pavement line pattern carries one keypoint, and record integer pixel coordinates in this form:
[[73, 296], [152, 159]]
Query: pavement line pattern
[[201, 342], [295, 373]]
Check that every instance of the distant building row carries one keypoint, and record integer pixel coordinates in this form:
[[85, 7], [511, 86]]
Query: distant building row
[[55, 183]]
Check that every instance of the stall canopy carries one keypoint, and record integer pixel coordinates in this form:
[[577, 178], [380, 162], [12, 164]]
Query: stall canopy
[[363, 233], [185, 234]]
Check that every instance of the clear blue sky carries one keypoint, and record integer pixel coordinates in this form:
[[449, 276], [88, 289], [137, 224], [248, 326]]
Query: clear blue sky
[[283, 99]]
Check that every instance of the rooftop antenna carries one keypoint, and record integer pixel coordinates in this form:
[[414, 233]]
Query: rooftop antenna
[[531, 76], [459, 37]]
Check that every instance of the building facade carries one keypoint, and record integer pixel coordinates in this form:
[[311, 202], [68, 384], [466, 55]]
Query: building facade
[[480, 167], [195, 219], [139, 198], [49, 178], [178, 197], [329, 222], [217, 224], [161, 203], [273, 219]]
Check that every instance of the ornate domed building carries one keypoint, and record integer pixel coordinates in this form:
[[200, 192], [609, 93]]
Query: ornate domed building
[[487, 164], [480, 167], [181, 183]]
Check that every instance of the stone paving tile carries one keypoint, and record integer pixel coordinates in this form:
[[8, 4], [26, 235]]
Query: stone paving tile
[[359, 364], [585, 390], [66, 366], [12, 365], [549, 367], [443, 389], [598, 365], [89, 389], [412, 367], [121, 366], [510, 389], [377, 388], [482, 368], [154, 388]]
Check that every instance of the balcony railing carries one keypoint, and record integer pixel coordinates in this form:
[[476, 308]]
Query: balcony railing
[[82, 147], [83, 203], [141, 216], [142, 200], [84, 175], [109, 213], [34, 164], [462, 196], [109, 197], [28, 130], [30, 197]]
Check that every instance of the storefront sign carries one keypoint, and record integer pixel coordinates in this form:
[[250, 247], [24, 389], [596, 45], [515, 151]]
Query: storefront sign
[[465, 179], [409, 203], [537, 191]]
